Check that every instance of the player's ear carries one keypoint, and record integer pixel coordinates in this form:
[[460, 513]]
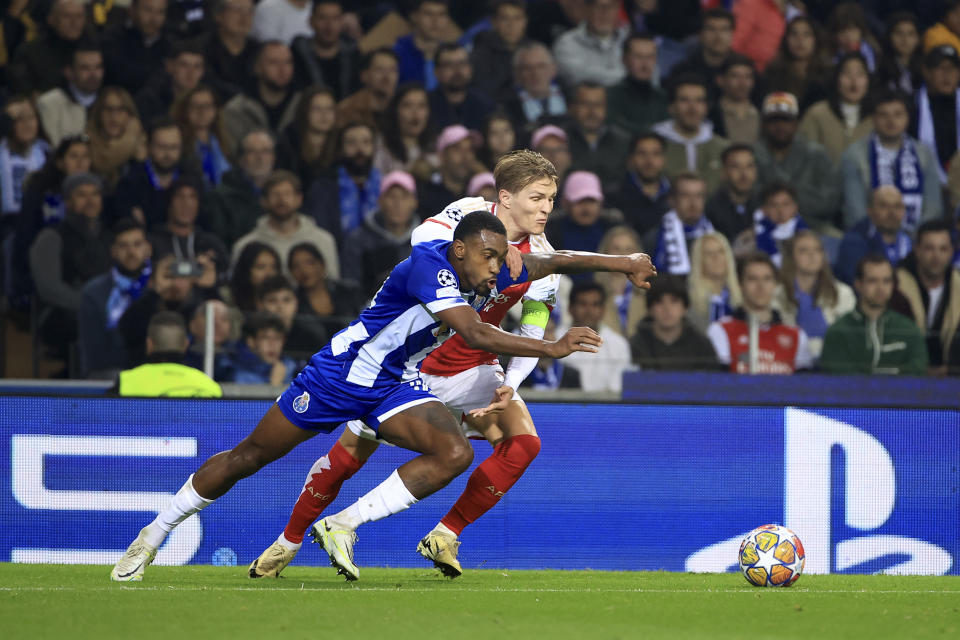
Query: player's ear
[[459, 248]]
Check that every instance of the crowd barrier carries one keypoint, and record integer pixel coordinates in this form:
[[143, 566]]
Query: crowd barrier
[[616, 486]]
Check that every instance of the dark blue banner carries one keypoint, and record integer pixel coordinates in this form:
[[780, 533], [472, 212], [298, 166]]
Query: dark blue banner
[[615, 487]]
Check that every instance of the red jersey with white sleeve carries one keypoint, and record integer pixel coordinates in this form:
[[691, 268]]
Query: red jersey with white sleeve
[[455, 356]]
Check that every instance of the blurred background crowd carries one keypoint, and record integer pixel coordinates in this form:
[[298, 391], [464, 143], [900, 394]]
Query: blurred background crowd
[[791, 167]]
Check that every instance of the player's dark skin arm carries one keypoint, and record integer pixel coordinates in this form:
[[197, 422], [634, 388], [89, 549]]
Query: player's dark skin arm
[[637, 266], [480, 335]]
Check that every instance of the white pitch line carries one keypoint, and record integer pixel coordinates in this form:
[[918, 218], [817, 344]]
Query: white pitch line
[[334, 589]]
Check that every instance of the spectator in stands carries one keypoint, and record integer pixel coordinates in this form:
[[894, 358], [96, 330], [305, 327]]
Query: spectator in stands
[[257, 262], [116, 135], [880, 231], [284, 226], [873, 339], [930, 287], [715, 48], [777, 220], [281, 20], [330, 57], [260, 358], [626, 304], [550, 374], [305, 334], [163, 374], [712, 283], [429, 19], [63, 109], [734, 116], [334, 301], [848, 32], [493, 50], [691, 143], [64, 257], [846, 115], [583, 224], [595, 146], [947, 30], [593, 50], [808, 295], [43, 205], [183, 238], [635, 103], [781, 349], [665, 339], [937, 102], [105, 298], [681, 226], [308, 144], [272, 102], [644, 194], [183, 70], [499, 137], [889, 156], [204, 135], [235, 203], [383, 240], [144, 192], [901, 65], [454, 101], [406, 132], [801, 67], [22, 151], [226, 331], [730, 208], [378, 77], [551, 142], [134, 51], [458, 161], [785, 157], [38, 64], [483, 185], [537, 99], [603, 370], [760, 25], [228, 49], [357, 186], [171, 288]]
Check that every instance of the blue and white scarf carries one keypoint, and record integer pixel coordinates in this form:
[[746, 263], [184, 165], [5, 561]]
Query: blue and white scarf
[[720, 305], [896, 250], [14, 169], [623, 301], [547, 379], [355, 205], [152, 176], [907, 177], [212, 160], [125, 290], [770, 234], [672, 255], [925, 131], [533, 109]]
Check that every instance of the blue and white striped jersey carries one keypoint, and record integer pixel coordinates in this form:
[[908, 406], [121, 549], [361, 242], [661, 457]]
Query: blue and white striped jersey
[[392, 336]]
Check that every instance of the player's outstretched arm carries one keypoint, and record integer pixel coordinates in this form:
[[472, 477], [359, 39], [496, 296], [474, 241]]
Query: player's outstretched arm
[[486, 337], [637, 266]]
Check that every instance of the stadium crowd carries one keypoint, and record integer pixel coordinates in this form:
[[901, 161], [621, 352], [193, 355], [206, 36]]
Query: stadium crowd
[[790, 167]]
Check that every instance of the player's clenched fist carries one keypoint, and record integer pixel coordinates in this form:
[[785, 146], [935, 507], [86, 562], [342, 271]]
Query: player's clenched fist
[[642, 269], [577, 339]]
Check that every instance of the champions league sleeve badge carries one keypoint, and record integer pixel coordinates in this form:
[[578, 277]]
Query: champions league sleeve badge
[[446, 278]]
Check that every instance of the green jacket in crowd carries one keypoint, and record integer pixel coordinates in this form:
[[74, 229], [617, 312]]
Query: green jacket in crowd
[[892, 345]]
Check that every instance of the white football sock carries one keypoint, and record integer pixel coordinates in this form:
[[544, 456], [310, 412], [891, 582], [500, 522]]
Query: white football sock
[[444, 529], [388, 498], [184, 504], [293, 546]]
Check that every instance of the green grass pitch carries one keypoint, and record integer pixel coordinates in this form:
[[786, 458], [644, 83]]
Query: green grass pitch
[[75, 602]]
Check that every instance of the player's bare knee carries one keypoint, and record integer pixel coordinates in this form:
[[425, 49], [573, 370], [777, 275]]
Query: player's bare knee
[[245, 460], [458, 456]]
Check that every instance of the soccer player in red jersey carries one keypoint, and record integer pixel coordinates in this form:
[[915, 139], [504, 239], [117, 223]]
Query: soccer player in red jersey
[[465, 379]]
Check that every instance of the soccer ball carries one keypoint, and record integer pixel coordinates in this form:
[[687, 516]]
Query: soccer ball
[[771, 556]]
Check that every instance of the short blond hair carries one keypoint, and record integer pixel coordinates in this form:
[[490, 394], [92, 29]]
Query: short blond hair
[[519, 169]]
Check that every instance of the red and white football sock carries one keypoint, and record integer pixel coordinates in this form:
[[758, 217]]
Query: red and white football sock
[[490, 481], [323, 484]]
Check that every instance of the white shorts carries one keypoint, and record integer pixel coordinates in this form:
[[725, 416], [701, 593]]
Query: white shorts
[[460, 393]]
